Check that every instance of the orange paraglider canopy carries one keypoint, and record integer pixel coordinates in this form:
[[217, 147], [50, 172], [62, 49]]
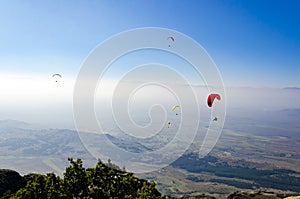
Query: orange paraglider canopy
[[211, 98]]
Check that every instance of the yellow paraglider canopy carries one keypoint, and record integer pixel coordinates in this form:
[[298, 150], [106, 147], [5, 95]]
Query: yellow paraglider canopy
[[175, 107]]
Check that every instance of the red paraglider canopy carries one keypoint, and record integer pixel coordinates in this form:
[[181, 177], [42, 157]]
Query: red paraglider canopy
[[211, 98]]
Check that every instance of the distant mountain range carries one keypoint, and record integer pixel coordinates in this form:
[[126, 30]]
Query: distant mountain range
[[13, 124], [292, 88]]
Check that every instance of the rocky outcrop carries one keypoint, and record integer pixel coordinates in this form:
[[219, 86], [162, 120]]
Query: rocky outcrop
[[10, 180], [261, 194], [193, 196]]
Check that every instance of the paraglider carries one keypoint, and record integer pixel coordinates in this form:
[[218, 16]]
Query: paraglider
[[211, 98], [56, 76], [175, 107], [169, 124], [170, 39]]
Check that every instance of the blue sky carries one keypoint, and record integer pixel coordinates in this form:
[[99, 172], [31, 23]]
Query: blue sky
[[254, 43]]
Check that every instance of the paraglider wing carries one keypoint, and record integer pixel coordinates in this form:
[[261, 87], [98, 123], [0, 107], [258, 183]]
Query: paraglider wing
[[175, 107], [211, 98], [57, 75], [171, 38]]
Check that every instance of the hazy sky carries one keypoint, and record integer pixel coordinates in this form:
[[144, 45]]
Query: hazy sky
[[254, 43]]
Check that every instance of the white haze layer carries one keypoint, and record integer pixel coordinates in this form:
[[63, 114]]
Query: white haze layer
[[46, 101]]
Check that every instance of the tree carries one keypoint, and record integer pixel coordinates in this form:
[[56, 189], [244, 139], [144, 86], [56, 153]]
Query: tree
[[75, 182], [148, 190], [106, 180], [35, 188], [54, 186]]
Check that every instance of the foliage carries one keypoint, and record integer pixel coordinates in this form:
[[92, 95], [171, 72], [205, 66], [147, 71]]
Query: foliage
[[106, 180]]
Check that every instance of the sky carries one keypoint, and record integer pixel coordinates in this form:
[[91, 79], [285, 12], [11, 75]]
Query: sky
[[253, 43]]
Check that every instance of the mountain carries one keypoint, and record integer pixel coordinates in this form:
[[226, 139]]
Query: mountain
[[128, 145], [8, 124], [290, 112], [292, 88], [267, 151]]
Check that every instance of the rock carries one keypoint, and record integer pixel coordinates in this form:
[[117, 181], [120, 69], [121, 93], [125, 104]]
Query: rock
[[261, 194], [10, 180]]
